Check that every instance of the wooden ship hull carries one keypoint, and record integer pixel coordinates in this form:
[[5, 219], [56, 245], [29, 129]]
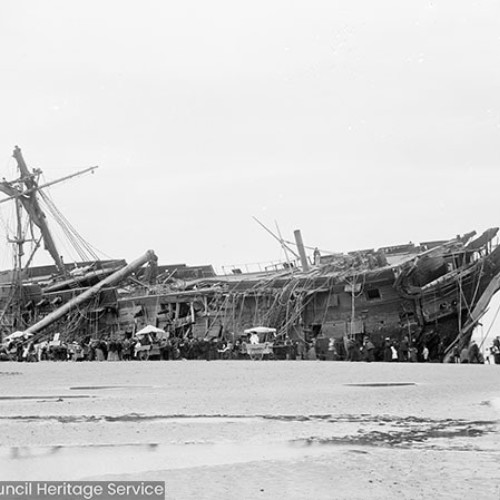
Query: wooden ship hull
[[433, 293], [432, 296]]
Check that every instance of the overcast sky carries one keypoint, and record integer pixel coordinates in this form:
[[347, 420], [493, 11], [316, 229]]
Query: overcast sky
[[362, 123]]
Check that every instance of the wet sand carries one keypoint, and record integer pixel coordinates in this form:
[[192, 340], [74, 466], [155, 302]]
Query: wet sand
[[228, 429]]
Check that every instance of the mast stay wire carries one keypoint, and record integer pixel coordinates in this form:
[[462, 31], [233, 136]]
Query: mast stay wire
[[91, 249], [84, 250]]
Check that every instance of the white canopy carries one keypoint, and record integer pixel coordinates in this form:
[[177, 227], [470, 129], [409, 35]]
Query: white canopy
[[150, 329], [260, 329], [16, 335]]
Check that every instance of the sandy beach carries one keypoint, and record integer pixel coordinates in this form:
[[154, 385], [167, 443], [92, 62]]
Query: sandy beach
[[230, 429]]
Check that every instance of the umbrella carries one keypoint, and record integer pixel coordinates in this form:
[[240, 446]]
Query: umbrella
[[14, 335], [149, 329], [260, 329]]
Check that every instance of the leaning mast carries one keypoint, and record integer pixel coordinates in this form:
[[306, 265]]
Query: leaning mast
[[30, 202], [24, 191]]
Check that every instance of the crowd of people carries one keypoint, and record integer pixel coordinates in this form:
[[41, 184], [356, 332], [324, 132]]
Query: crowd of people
[[189, 348], [493, 352]]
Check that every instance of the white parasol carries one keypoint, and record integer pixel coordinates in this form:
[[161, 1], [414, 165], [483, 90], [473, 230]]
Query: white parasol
[[260, 329], [16, 335], [150, 329]]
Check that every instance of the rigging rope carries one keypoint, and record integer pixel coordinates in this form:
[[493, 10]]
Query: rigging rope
[[84, 249]]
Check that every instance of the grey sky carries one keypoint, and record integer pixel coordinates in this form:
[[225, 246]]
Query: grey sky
[[362, 123]]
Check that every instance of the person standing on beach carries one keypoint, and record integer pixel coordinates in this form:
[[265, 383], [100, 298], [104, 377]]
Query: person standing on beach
[[311, 352], [474, 353], [413, 353], [441, 353], [394, 353], [368, 350], [464, 355], [495, 351], [425, 353], [387, 350], [404, 348]]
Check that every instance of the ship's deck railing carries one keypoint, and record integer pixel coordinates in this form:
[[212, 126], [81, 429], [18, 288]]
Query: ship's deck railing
[[258, 267]]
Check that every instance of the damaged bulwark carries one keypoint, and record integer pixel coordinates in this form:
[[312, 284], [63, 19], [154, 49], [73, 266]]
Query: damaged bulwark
[[89, 293], [432, 294]]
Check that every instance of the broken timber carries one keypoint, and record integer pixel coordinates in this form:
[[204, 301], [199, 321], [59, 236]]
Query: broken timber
[[113, 279]]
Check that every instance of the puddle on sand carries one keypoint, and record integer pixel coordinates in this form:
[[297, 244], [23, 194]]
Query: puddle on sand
[[134, 418], [382, 384], [71, 462], [104, 387], [78, 462], [42, 397]]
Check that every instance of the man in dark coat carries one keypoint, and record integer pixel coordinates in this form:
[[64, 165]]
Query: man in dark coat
[[474, 355]]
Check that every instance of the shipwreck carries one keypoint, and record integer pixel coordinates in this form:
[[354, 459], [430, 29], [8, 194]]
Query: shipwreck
[[433, 292]]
